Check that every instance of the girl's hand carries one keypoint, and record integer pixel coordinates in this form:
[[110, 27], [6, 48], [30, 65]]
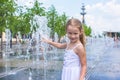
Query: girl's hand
[[46, 40]]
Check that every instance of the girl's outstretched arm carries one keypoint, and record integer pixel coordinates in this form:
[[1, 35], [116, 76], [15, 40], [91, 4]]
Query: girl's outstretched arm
[[55, 44]]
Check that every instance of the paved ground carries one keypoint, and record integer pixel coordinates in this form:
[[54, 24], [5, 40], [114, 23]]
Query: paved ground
[[108, 65]]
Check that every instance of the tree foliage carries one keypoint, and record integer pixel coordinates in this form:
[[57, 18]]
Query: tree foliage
[[60, 25], [56, 22], [87, 30], [7, 11], [37, 9], [52, 16]]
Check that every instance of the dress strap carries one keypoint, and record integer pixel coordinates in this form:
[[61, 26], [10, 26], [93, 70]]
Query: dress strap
[[76, 46]]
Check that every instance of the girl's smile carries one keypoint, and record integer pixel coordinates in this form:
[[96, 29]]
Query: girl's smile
[[73, 33]]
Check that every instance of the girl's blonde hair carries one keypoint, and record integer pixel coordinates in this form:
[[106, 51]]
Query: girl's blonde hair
[[77, 23]]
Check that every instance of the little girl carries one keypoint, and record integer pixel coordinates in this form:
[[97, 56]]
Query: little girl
[[74, 67]]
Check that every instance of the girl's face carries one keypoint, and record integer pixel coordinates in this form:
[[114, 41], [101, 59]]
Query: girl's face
[[73, 33]]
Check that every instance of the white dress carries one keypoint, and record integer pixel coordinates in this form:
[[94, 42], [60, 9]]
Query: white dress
[[71, 66]]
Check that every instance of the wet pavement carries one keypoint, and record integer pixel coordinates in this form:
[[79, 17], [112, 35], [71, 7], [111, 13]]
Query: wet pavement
[[107, 66]]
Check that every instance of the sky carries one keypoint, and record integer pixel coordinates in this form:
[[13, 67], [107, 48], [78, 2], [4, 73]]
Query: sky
[[101, 15]]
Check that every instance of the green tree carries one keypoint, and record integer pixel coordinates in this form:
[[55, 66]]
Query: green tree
[[51, 16], [37, 9], [87, 30], [7, 11], [60, 25], [25, 19]]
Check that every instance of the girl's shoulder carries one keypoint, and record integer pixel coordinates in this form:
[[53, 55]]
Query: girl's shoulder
[[79, 45], [80, 48]]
